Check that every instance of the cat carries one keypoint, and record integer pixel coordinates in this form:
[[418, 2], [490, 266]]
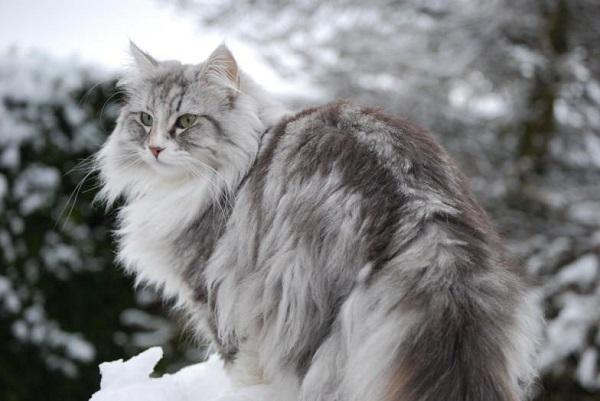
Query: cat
[[334, 253]]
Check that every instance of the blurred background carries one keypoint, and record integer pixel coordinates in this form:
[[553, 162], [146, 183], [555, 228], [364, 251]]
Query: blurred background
[[510, 87]]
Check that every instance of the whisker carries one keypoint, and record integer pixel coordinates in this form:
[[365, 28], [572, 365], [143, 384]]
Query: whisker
[[228, 191], [71, 201], [82, 165], [107, 101], [87, 93], [214, 188]]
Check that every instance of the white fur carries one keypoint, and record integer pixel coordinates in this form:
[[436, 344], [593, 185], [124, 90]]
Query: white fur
[[161, 198]]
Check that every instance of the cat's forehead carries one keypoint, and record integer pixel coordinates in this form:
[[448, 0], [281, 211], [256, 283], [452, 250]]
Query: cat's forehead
[[169, 82], [166, 81], [173, 74]]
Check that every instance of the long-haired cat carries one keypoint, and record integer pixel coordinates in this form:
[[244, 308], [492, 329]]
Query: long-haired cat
[[335, 253]]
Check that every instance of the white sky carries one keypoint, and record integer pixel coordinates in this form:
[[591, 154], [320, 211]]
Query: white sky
[[98, 31]]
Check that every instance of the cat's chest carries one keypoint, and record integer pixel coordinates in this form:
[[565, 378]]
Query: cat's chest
[[148, 231]]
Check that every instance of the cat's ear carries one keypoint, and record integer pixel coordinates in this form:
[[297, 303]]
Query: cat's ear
[[222, 65], [143, 61]]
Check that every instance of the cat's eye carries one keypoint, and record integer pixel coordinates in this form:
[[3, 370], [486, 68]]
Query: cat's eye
[[186, 121], [146, 119]]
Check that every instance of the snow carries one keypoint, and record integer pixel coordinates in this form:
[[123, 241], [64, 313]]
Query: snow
[[154, 330], [37, 329], [35, 187], [8, 297], [3, 187], [130, 381], [585, 212], [576, 294], [582, 271], [468, 98], [567, 333], [587, 371]]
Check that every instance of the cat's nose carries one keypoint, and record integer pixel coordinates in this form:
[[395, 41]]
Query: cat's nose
[[156, 150]]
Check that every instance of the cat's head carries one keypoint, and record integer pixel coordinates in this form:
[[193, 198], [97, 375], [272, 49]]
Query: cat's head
[[179, 122]]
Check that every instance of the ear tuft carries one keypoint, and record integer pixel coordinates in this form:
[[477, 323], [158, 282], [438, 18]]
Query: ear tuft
[[143, 60], [222, 65]]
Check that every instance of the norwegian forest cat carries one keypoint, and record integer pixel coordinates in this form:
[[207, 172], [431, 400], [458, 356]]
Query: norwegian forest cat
[[335, 253]]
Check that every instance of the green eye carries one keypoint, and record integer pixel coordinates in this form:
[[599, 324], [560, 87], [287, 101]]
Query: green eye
[[146, 119], [186, 121]]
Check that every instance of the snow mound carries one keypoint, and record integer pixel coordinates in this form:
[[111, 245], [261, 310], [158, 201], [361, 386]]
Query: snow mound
[[207, 381]]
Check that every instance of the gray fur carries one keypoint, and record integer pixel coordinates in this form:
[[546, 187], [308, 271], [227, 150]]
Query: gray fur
[[347, 260], [410, 217]]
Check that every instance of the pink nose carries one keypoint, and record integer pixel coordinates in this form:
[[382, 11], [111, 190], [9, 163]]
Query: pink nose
[[156, 150]]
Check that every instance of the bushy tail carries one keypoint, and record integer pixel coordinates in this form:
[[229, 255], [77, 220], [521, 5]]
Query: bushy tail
[[433, 327], [459, 351]]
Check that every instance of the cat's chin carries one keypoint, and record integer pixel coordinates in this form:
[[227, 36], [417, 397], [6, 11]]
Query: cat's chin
[[166, 168]]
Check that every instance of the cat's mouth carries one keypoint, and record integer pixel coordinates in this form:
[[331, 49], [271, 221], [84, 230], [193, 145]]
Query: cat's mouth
[[160, 164]]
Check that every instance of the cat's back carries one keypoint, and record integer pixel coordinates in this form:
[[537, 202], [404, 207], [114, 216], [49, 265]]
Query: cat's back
[[345, 168], [361, 146], [362, 219]]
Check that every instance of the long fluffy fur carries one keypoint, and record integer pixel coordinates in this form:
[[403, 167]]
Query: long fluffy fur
[[335, 253]]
